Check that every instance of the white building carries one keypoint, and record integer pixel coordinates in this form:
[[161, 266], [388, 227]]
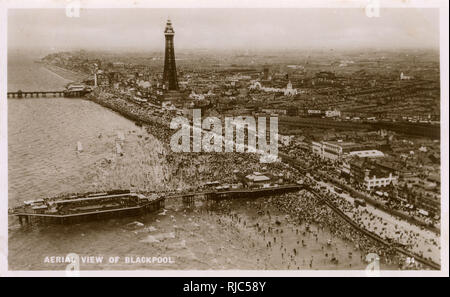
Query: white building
[[367, 154], [289, 91], [316, 148], [375, 182], [404, 77], [314, 112], [334, 150], [332, 113], [285, 139], [369, 174], [327, 150]]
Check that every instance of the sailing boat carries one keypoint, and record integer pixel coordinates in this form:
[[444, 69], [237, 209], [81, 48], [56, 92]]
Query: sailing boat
[[119, 148]]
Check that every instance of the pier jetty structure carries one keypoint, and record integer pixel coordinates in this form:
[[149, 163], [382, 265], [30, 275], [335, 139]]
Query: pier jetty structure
[[83, 207], [118, 203], [72, 90]]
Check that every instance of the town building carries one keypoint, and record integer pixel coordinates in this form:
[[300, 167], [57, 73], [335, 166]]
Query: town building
[[369, 174], [333, 150], [257, 179], [367, 154], [332, 113]]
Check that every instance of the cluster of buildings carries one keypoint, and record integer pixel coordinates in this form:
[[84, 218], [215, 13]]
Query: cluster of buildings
[[401, 171], [288, 91]]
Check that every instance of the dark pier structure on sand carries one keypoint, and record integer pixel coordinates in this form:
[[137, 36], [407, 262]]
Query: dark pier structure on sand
[[42, 94], [253, 193], [248, 193], [29, 219], [118, 203], [86, 207]]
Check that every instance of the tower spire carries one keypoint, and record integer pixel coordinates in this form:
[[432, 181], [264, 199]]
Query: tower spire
[[170, 70]]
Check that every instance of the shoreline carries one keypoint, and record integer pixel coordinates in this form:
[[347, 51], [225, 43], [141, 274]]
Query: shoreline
[[64, 73], [56, 74], [153, 123]]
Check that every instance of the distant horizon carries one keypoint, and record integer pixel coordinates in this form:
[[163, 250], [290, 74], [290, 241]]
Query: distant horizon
[[161, 49], [224, 29], [19, 54]]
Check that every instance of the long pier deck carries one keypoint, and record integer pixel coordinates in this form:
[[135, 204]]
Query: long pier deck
[[40, 94], [238, 193], [153, 205]]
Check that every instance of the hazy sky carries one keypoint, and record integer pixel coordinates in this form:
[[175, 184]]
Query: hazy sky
[[232, 28]]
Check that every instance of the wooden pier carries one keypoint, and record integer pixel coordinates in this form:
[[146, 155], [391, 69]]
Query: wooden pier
[[26, 218], [253, 193], [43, 94], [236, 193]]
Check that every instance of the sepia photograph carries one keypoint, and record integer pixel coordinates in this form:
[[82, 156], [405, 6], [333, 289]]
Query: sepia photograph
[[304, 139]]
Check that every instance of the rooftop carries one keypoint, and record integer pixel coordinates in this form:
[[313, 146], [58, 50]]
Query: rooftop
[[367, 154]]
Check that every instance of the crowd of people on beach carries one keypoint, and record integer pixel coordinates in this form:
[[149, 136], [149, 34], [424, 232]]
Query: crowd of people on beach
[[393, 233], [308, 208], [313, 225]]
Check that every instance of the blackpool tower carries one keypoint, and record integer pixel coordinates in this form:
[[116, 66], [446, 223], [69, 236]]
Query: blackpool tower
[[170, 70]]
